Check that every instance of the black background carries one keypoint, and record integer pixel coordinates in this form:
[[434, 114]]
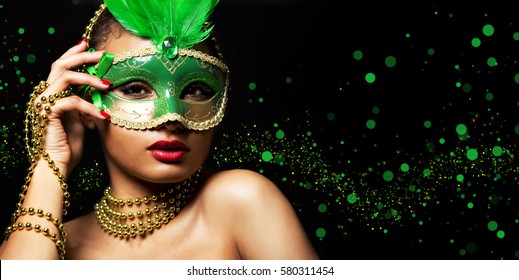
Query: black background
[[312, 43]]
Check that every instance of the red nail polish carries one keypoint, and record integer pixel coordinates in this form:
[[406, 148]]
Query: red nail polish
[[106, 82], [80, 42], [105, 114]]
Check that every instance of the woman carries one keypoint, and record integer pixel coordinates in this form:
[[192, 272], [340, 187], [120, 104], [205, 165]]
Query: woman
[[154, 87]]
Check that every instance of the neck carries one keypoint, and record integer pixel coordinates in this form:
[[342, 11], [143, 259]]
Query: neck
[[129, 217]]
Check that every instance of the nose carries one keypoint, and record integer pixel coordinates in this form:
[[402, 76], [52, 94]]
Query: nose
[[173, 126]]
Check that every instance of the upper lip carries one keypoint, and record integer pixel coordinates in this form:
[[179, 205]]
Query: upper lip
[[168, 145]]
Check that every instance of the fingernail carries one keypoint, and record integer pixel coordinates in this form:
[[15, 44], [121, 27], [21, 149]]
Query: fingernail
[[105, 115], [106, 82], [80, 42]]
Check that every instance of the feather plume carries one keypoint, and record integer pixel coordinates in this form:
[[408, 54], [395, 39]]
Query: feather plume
[[182, 20]]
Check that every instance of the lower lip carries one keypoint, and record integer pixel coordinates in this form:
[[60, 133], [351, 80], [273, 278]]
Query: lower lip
[[168, 155]]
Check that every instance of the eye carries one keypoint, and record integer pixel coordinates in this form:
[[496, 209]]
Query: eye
[[135, 90], [196, 92]]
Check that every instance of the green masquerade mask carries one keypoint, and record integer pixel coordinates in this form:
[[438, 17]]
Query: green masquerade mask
[[167, 82]]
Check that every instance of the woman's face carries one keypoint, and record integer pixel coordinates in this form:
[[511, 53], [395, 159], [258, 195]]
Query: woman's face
[[165, 154]]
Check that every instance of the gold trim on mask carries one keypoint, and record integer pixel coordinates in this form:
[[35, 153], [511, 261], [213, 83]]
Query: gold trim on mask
[[182, 52]]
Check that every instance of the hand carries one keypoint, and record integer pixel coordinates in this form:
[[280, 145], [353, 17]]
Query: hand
[[64, 132]]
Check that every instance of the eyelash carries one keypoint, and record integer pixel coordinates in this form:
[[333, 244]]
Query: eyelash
[[136, 90], [197, 91]]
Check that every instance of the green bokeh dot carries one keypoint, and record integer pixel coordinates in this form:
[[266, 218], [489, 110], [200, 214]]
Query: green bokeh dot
[[352, 198], [516, 78], [488, 30], [497, 151], [252, 86], [492, 225], [280, 134], [388, 176], [370, 78], [31, 58], [472, 154], [461, 129], [467, 87], [21, 30], [492, 61], [472, 247], [370, 124], [357, 55], [390, 61], [320, 232], [476, 42], [322, 208], [266, 156], [51, 30], [404, 167]]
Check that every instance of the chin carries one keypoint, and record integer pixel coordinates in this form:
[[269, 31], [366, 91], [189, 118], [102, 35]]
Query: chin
[[167, 174]]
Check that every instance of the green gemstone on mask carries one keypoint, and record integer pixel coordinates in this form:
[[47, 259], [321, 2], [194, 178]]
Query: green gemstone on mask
[[169, 47]]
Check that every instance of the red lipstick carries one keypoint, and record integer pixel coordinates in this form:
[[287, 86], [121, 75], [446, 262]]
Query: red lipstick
[[168, 150]]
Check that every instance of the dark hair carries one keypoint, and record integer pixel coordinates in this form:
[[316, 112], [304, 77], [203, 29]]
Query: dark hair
[[105, 28]]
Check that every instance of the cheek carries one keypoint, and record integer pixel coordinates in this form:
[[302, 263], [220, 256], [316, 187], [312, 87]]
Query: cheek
[[201, 140], [119, 140]]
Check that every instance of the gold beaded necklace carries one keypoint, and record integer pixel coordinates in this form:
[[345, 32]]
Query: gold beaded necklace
[[166, 206]]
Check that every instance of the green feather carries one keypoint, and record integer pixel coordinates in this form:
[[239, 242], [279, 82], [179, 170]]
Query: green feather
[[183, 20]]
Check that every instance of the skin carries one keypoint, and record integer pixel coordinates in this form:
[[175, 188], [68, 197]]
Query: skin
[[234, 214]]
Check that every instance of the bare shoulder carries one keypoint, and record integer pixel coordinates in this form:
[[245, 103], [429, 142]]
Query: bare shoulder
[[240, 176], [241, 187], [257, 214]]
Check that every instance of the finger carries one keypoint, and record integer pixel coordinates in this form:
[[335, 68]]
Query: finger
[[79, 47], [79, 78], [69, 78], [58, 88], [75, 104], [72, 62]]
